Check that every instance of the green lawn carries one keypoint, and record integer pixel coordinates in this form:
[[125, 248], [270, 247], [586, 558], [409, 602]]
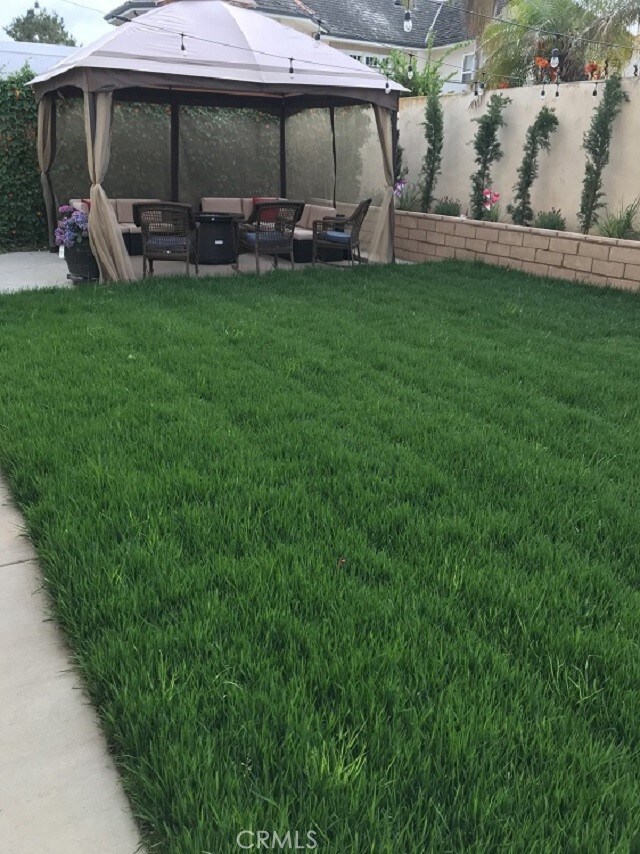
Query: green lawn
[[347, 552]]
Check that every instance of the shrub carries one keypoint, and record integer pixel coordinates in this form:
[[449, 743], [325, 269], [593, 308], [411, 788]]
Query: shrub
[[552, 219], [447, 207], [22, 212], [408, 196], [493, 214], [620, 225]]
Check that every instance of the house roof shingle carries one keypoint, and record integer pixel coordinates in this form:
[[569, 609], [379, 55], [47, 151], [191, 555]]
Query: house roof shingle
[[379, 21], [374, 21]]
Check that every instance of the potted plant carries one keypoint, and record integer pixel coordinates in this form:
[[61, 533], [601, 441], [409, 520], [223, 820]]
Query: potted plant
[[73, 233]]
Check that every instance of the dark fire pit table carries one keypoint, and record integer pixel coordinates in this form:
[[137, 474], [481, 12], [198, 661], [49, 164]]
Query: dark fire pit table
[[218, 240]]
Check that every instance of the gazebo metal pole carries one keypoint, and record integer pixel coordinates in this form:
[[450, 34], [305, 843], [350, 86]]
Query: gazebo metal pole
[[394, 142], [175, 152], [332, 120], [283, 150]]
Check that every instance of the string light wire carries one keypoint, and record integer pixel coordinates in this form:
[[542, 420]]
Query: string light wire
[[139, 22]]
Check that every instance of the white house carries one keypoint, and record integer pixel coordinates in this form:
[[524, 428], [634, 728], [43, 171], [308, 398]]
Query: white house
[[39, 57]]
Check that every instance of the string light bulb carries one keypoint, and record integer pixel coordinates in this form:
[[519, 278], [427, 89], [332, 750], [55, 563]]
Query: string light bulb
[[410, 68], [595, 89], [543, 93], [387, 88], [475, 88], [635, 69], [183, 49], [318, 34], [408, 23], [291, 66], [557, 87]]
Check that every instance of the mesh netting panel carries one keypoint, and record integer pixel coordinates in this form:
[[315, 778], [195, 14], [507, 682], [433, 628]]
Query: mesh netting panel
[[360, 172], [140, 165], [70, 174], [309, 156], [228, 153]]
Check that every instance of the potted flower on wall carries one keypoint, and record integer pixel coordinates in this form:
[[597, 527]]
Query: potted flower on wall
[[73, 234]]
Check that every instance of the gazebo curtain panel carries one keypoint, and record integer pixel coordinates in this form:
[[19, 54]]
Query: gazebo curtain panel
[[382, 242], [105, 236]]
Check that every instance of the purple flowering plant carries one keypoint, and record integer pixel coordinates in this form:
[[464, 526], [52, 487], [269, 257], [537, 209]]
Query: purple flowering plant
[[399, 187], [73, 226]]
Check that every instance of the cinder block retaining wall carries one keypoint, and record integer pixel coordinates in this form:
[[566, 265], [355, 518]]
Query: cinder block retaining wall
[[564, 255]]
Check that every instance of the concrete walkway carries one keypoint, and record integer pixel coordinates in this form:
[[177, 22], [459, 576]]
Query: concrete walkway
[[59, 789], [21, 271]]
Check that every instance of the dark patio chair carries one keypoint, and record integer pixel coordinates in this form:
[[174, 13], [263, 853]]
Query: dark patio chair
[[269, 230], [169, 233], [340, 233]]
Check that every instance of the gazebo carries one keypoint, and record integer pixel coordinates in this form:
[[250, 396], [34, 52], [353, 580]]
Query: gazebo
[[206, 53]]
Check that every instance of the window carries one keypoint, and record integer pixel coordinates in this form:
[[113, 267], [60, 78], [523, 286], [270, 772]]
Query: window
[[368, 59], [468, 67]]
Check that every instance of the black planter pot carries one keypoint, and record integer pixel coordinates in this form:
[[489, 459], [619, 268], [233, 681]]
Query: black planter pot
[[81, 262]]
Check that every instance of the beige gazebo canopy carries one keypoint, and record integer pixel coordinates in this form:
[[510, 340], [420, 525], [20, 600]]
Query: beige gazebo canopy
[[205, 53]]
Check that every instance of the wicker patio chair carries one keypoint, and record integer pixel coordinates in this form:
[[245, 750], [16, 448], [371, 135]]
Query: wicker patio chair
[[269, 230], [169, 233], [327, 236]]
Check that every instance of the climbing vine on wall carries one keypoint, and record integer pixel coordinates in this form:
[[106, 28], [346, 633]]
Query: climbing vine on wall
[[22, 213]]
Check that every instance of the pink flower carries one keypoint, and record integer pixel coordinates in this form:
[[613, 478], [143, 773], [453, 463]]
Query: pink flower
[[490, 199]]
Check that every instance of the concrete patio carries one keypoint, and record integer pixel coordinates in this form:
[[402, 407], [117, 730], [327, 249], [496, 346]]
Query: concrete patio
[[21, 271]]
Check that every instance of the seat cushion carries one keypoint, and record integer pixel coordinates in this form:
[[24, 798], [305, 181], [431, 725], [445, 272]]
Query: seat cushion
[[124, 207], [312, 213], [267, 216], [221, 204], [303, 233], [336, 237], [79, 205]]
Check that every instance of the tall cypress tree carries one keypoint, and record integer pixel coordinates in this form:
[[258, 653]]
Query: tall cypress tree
[[487, 149], [597, 143], [538, 137], [434, 134]]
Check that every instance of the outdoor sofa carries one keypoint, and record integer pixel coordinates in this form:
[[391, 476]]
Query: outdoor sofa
[[123, 209], [303, 232], [242, 206]]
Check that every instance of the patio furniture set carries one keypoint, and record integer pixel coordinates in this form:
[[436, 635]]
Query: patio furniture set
[[225, 227]]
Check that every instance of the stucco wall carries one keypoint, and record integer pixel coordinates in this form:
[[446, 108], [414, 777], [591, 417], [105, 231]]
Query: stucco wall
[[561, 171], [559, 254]]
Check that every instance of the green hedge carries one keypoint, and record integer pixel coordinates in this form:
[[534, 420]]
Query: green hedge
[[22, 213]]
